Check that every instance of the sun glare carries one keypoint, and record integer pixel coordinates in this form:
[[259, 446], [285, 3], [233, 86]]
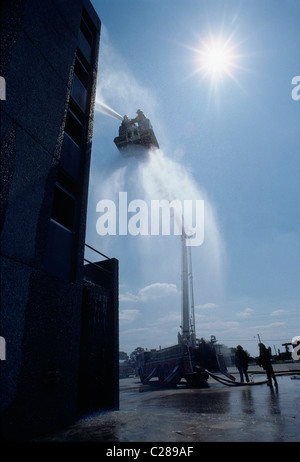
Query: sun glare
[[217, 59]]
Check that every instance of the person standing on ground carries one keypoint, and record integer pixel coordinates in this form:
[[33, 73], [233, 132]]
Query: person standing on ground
[[241, 362], [264, 361]]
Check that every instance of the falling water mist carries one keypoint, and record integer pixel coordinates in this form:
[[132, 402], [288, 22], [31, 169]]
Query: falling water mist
[[164, 178], [158, 177]]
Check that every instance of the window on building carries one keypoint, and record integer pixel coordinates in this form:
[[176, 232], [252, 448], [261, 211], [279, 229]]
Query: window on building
[[81, 71], [79, 93], [63, 209], [87, 21], [71, 157], [86, 31], [86, 35], [59, 255], [82, 61], [74, 126]]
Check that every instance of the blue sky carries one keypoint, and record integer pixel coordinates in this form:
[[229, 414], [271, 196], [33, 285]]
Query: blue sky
[[233, 143]]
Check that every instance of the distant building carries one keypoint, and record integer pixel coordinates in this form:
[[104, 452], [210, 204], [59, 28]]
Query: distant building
[[59, 318]]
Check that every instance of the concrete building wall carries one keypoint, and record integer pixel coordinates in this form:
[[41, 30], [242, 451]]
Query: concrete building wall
[[99, 352], [49, 54]]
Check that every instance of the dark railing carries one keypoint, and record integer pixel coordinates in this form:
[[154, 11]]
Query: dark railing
[[97, 264]]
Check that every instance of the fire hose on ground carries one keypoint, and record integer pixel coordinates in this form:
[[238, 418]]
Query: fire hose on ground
[[232, 383]]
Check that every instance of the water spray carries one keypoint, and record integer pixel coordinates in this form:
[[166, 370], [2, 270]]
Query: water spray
[[101, 107]]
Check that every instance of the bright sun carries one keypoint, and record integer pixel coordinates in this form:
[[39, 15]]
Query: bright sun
[[217, 59]]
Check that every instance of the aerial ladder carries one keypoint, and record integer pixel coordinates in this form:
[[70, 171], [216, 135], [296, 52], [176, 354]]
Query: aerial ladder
[[188, 328]]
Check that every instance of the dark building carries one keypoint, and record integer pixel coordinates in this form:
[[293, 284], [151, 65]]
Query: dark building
[[59, 317]]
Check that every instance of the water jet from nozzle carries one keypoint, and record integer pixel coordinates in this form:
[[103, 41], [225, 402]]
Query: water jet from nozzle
[[101, 107]]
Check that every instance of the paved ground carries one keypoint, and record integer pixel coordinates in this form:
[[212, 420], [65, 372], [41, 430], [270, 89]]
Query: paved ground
[[252, 413]]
